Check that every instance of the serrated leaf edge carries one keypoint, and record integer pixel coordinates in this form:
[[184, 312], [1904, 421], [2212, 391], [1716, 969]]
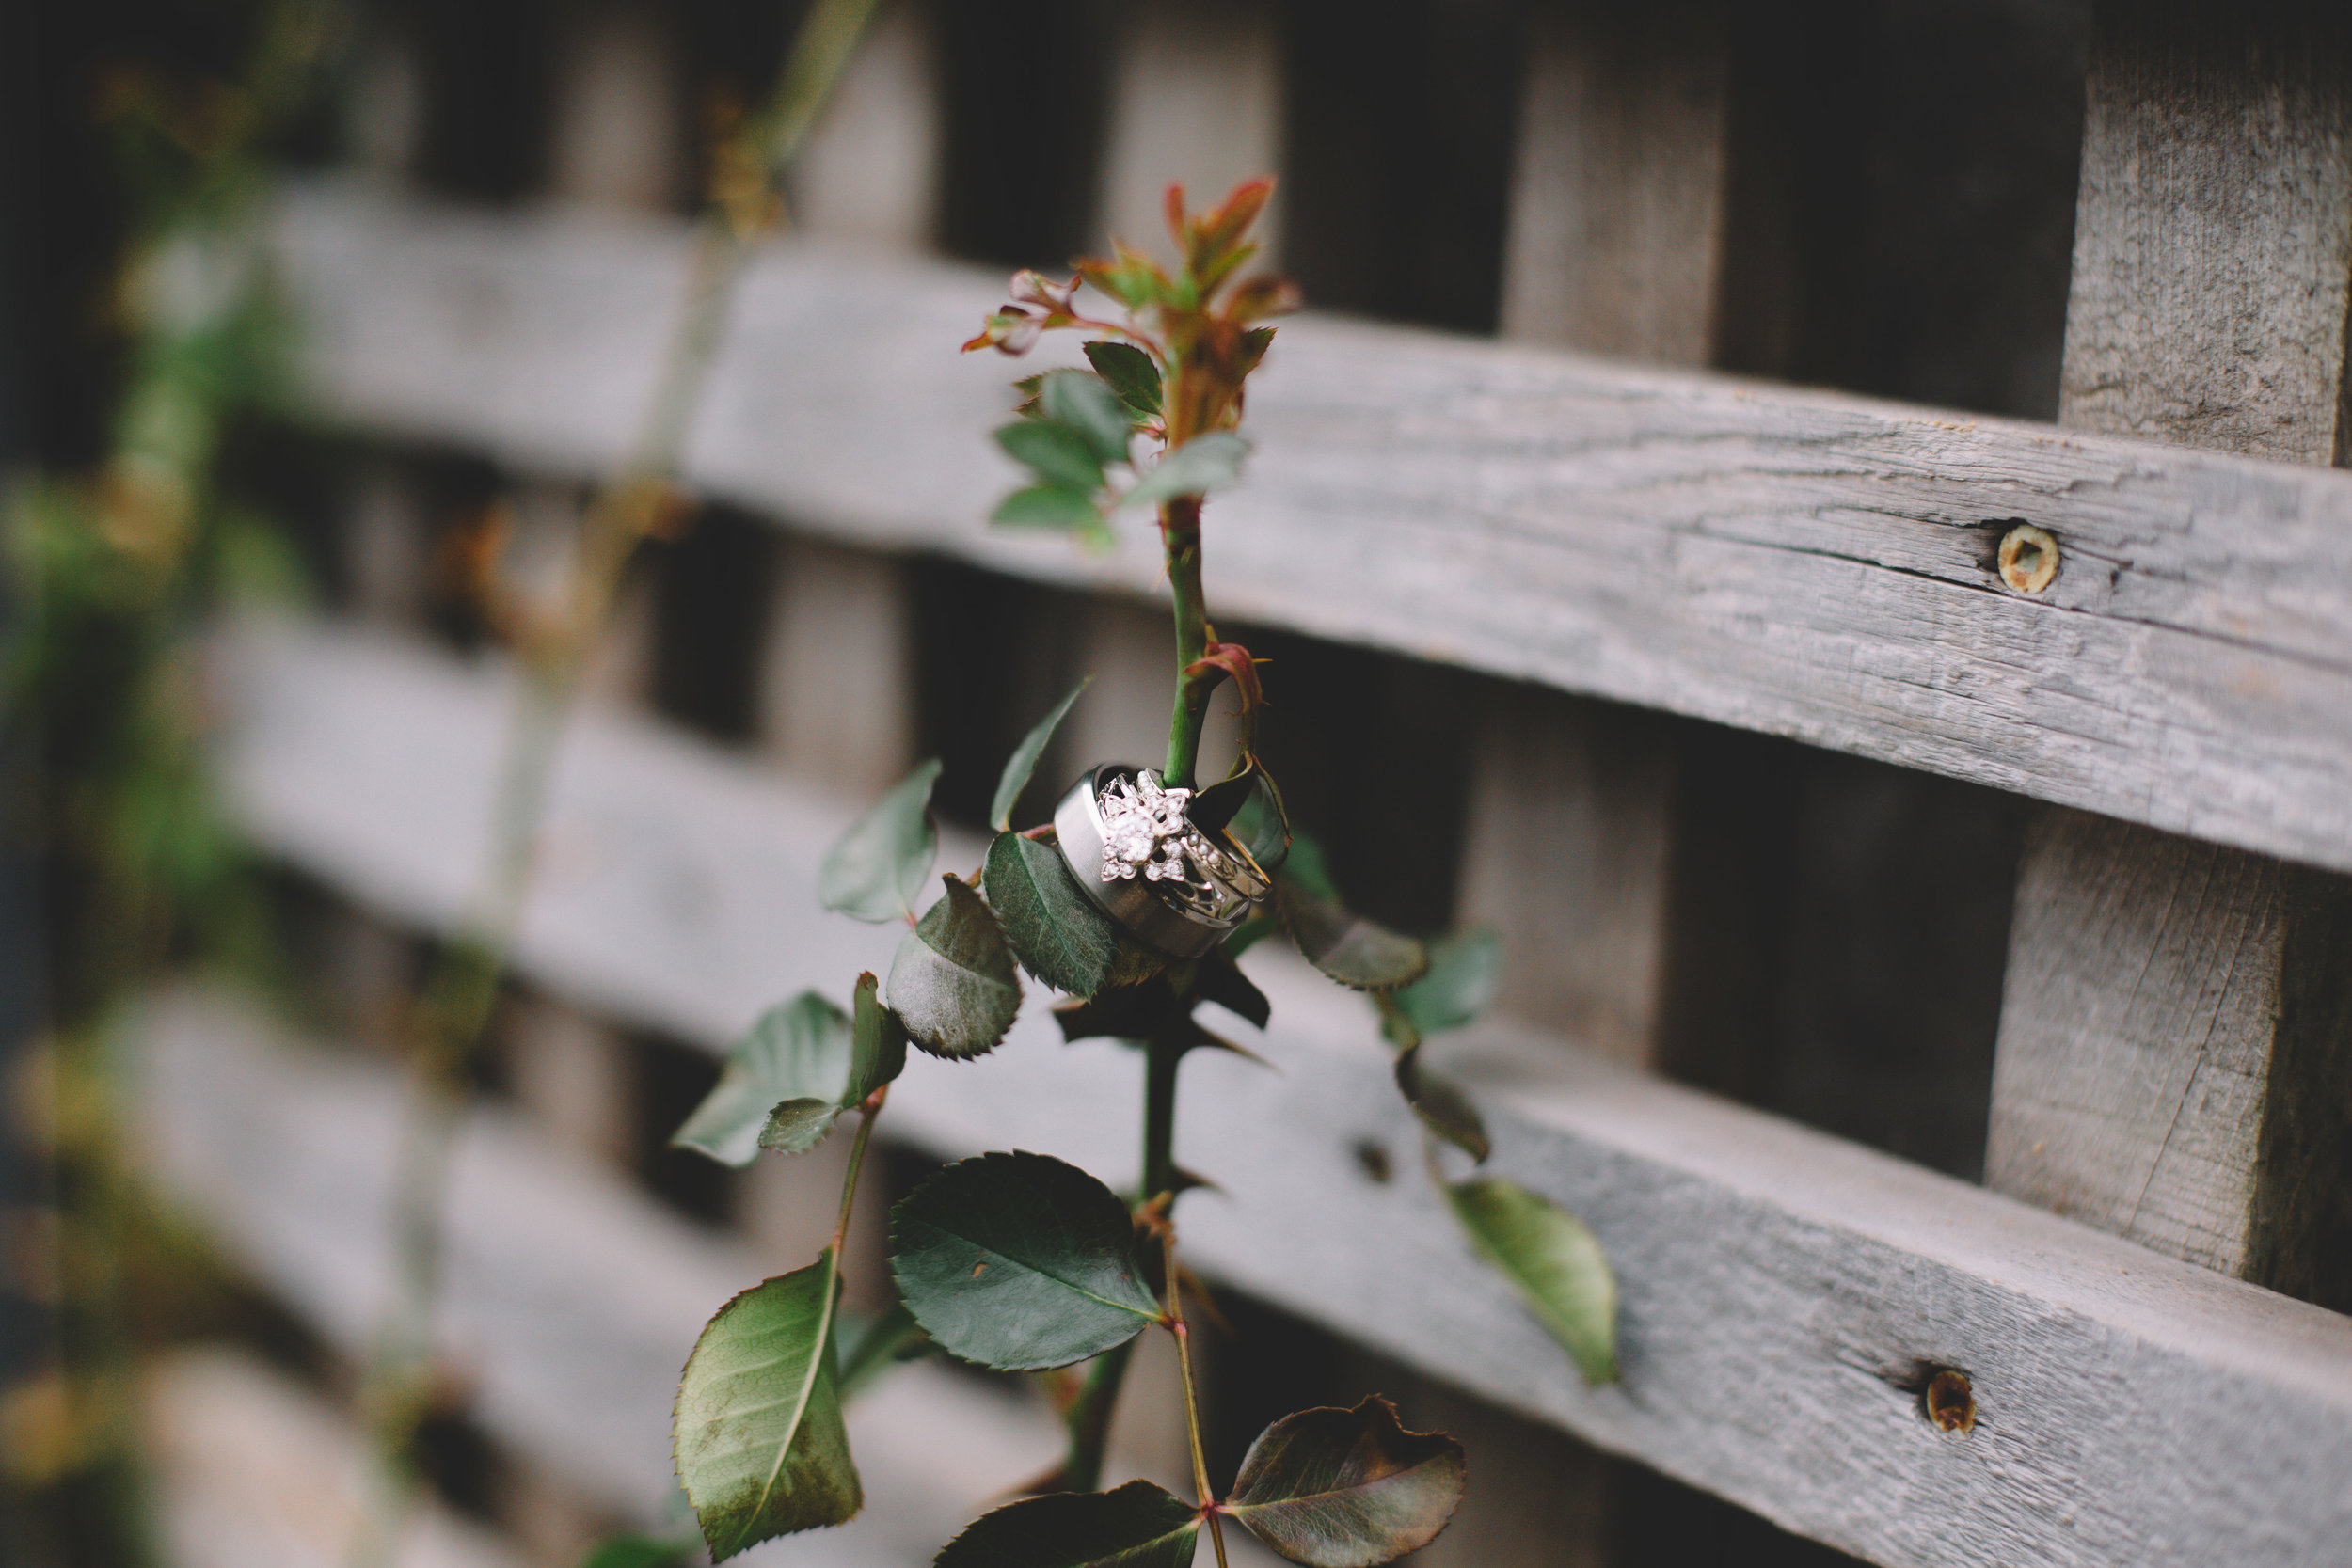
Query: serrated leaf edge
[[831, 1264]]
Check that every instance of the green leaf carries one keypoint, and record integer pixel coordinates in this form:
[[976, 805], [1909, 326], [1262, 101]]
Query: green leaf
[[1458, 987], [873, 1345], [1204, 463], [636, 1551], [1223, 983], [1137, 1526], [798, 1126], [1020, 1262], [1347, 1488], [1085, 405], [1308, 867], [1060, 454], [1128, 371], [1048, 506], [798, 1051], [878, 1049], [1355, 951], [1555, 1262], [952, 983], [874, 871], [1442, 1106], [757, 1433], [1060, 935], [1022, 763]]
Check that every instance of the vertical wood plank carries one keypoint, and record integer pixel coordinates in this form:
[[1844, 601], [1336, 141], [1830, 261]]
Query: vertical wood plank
[[2172, 1057], [1614, 246], [787, 1206], [1197, 101], [870, 170], [1129, 650], [834, 682], [1566, 857], [571, 1072], [384, 547], [834, 693], [616, 116], [2213, 230], [833, 698], [1616, 239]]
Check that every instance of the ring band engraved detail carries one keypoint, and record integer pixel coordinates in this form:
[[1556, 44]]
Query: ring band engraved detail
[[1130, 844]]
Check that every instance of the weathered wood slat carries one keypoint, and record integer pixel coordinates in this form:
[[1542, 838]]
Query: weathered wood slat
[[251, 1471], [2210, 285], [1618, 196], [2175, 1063], [1616, 235], [571, 1301], [1799, 563], [1782, 1290]]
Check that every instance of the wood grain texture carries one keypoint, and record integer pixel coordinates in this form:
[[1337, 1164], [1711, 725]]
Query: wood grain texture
[[2175, 1054], [1197, 101], [2142, 998], [2213, 234], [2173, 1060], [1803, 564], [1615, 245], [570, 1301], [1617, 199], [1565, 857], [1782, 1290]]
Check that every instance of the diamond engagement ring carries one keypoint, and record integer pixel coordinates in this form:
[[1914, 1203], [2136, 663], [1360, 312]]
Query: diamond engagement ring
[[1131, 845]]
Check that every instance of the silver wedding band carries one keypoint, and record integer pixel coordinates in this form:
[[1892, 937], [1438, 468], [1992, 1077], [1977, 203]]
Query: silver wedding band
[[1184, 919]]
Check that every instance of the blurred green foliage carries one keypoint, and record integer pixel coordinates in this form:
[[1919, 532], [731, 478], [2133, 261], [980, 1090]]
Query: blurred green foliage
[[113, 571]]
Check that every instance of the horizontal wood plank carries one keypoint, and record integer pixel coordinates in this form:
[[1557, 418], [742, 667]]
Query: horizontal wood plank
[[1799, 563], [1782, 1291], [570, 1301], [252, 1470]]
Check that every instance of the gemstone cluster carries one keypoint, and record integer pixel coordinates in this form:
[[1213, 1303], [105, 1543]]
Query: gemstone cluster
[[1145, 830], [1153, 857]]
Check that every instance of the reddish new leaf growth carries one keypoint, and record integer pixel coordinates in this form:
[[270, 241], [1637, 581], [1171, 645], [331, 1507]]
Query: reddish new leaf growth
[[1238, 667], [1204, 336]]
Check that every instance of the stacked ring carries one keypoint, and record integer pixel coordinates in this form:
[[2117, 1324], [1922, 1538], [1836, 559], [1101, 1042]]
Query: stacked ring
[[1175, 886]]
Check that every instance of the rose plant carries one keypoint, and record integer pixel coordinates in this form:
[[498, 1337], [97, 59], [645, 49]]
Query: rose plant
[[1018, 1261]]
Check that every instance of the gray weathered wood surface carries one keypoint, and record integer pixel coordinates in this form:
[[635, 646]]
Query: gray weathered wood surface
[[1615, 242], [571, 1300], [1800, 564], [249, 1470], [1781, 1290], [2131, 1105], [2213, 232], [2174, 1065], [2175, 1061], [1618, 196]]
